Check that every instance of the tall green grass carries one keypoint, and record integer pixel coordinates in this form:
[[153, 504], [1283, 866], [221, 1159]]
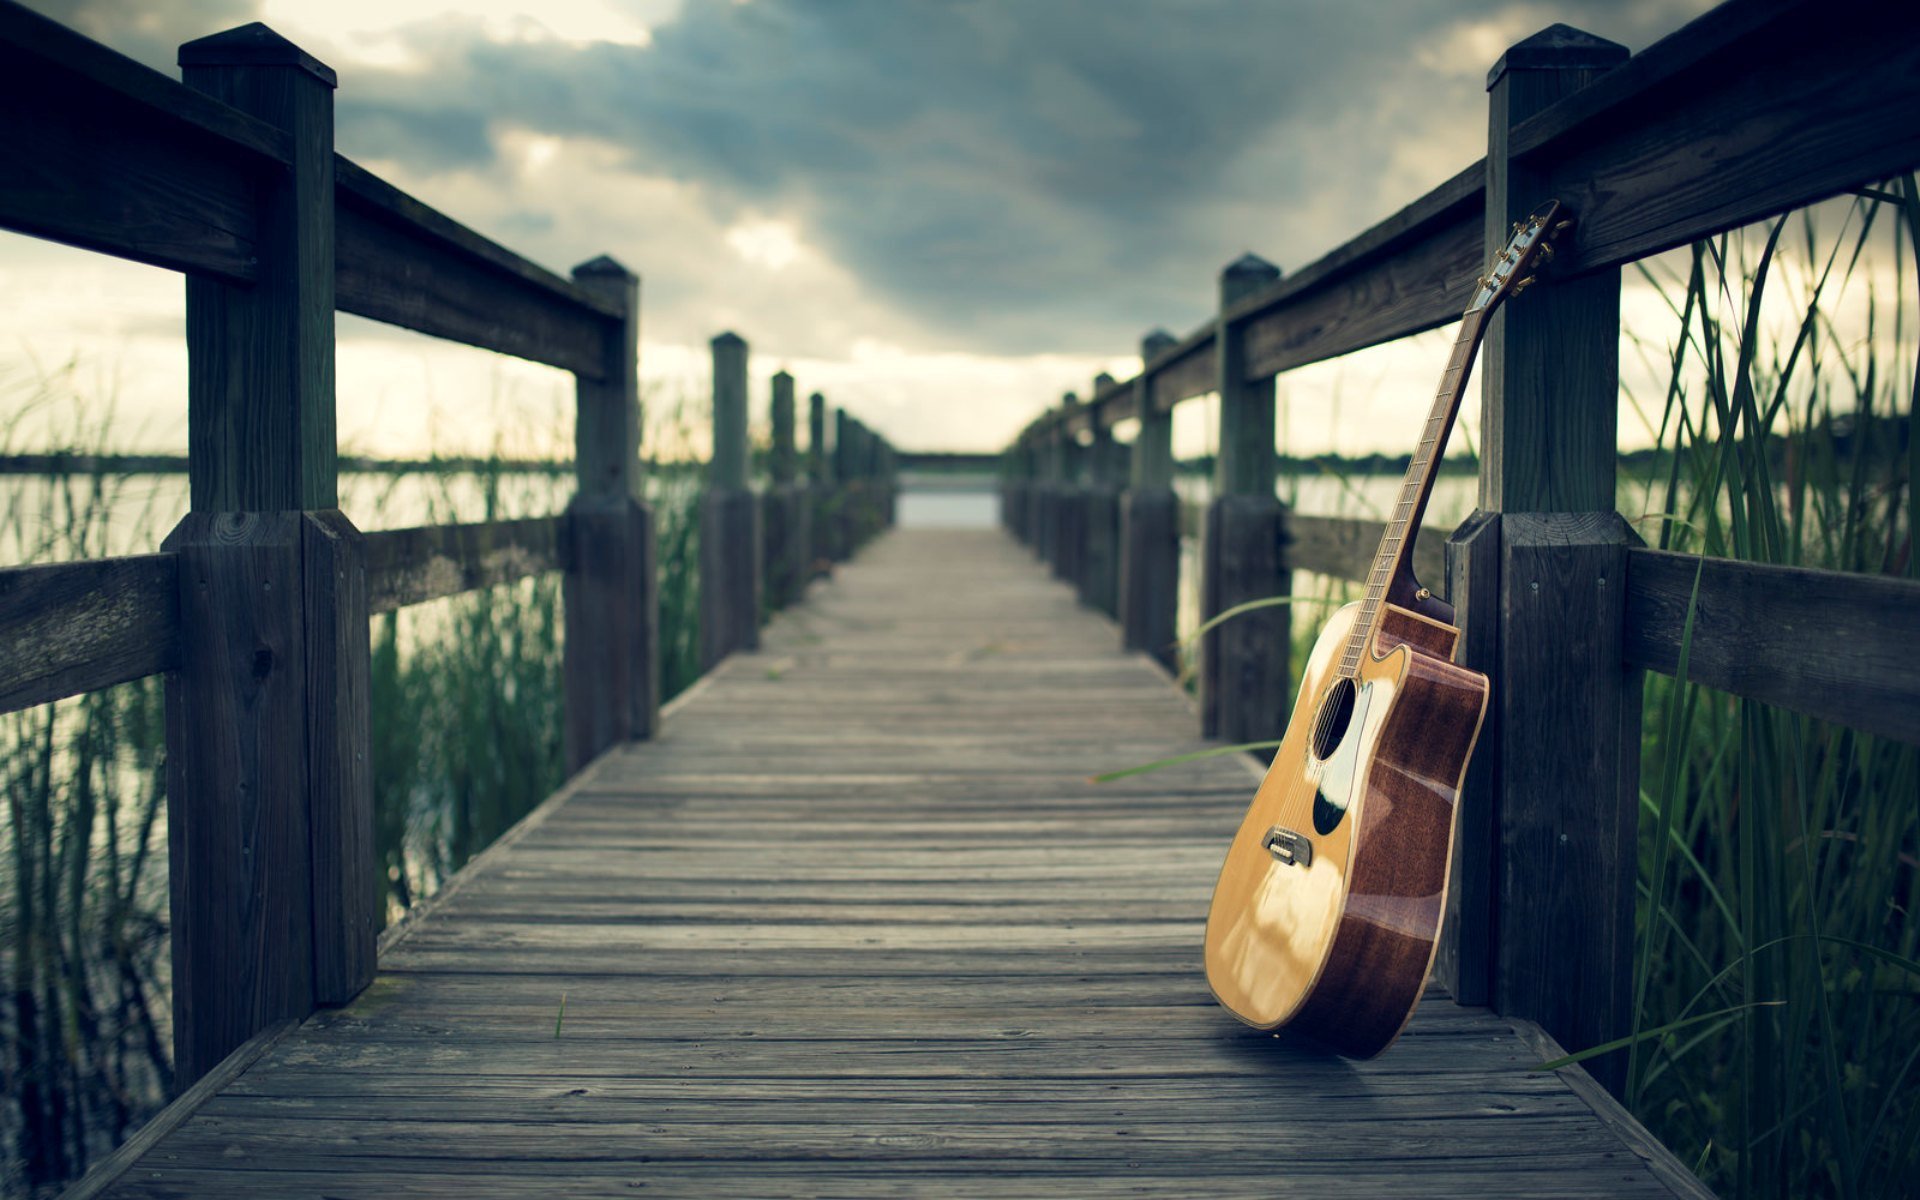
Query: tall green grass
[[1777, 971], [85, 1016], [1778, 853], [466, 700]]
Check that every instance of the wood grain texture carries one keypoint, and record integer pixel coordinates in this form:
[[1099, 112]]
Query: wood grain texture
[[1412, 272], [428, 562], [346, 889], [1464, 962], [68, 628], [1550, 365], [1755, 108], [240, 829], [1568, 797], [611, 602], [101, 152], [1831, 645], [945, 963], [260, 405], [404, 263]]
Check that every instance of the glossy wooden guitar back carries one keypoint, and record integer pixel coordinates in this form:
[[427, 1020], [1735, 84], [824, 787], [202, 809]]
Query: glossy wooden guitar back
[[1339, 948]]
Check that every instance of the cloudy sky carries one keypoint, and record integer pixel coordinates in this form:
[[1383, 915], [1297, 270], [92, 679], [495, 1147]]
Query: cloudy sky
[[941, 212]]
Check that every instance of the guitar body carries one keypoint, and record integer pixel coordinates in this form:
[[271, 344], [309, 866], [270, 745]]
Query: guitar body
[[1331, 928]]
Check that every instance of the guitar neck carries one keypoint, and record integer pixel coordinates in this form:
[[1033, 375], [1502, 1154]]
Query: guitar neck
[[1392, 562]]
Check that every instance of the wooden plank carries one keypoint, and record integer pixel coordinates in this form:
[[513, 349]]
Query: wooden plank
[[611, 593], [260, 405], [1411, 272], [68, 628], [238, 806], [427, 562], [1463, 961], [101, 152], [938, 958], [1344, 547], [1755, 108], [1550, 365], [403, 263], [1568, 779], [347, 912], [1828, 644]]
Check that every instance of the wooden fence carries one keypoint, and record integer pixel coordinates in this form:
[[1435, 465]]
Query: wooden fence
[[1758, 107], [257, 610]]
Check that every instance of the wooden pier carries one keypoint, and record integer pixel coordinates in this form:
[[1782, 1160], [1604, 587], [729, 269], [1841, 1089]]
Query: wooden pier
[[857, 923]]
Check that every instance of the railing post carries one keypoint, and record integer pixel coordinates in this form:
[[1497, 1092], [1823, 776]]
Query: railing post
[[729, 518], [1106, 471], [610, 597], [1041, 497], [1013, 487], [1244, 680], [1546, 874], [890, 483], [1069, 509], [821, 499], [785, 512], [1150, 523], [843, 485], [269, 784]]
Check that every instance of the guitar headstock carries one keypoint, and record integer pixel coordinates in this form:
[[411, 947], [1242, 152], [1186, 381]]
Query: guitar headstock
[[1529, 249]]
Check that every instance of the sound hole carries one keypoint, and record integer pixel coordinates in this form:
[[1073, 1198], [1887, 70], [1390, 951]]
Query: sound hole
[[1336, 714]]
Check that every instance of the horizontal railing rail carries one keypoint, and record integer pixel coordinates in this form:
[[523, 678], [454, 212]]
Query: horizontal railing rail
[[68, 628], [257, 610], [1828, 644], [1755, 109], [430, 562]]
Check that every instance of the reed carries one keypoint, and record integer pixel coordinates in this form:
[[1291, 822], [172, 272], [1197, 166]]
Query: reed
[[466, 696], [1778, 853], [85, 1028]]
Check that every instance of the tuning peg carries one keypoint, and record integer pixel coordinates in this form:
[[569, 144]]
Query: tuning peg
[[1546, 251], [1562, 228], [1523, 285]]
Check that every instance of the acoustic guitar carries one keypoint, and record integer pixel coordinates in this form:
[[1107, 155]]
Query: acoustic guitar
[[1328, 909]]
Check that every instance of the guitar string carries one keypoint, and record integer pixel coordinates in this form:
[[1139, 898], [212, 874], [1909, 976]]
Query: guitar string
[[1419, 483]]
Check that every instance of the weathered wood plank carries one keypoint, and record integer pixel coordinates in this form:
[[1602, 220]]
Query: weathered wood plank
[[1755, 108], [428, 562], [1824, 643], [856, 922], [1344, 547], [68, 628], [101, 152], [404, 263]]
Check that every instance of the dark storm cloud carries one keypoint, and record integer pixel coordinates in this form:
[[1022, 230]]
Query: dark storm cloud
[[148, 30], [1017, 175]]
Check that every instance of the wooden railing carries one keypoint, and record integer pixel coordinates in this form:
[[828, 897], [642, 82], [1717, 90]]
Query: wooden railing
[[1758, 107], [257, 610]]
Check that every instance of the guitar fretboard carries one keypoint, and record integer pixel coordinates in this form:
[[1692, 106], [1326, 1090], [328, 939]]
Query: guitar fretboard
[[1404, 523]]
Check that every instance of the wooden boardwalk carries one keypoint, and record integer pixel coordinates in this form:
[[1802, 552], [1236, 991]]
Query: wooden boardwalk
[[857, 924]]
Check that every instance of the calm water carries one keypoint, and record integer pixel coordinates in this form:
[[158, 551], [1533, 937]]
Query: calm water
[[934, 509]]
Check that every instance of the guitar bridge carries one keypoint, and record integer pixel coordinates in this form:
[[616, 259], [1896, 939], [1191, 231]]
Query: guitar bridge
[[1288, 847]]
